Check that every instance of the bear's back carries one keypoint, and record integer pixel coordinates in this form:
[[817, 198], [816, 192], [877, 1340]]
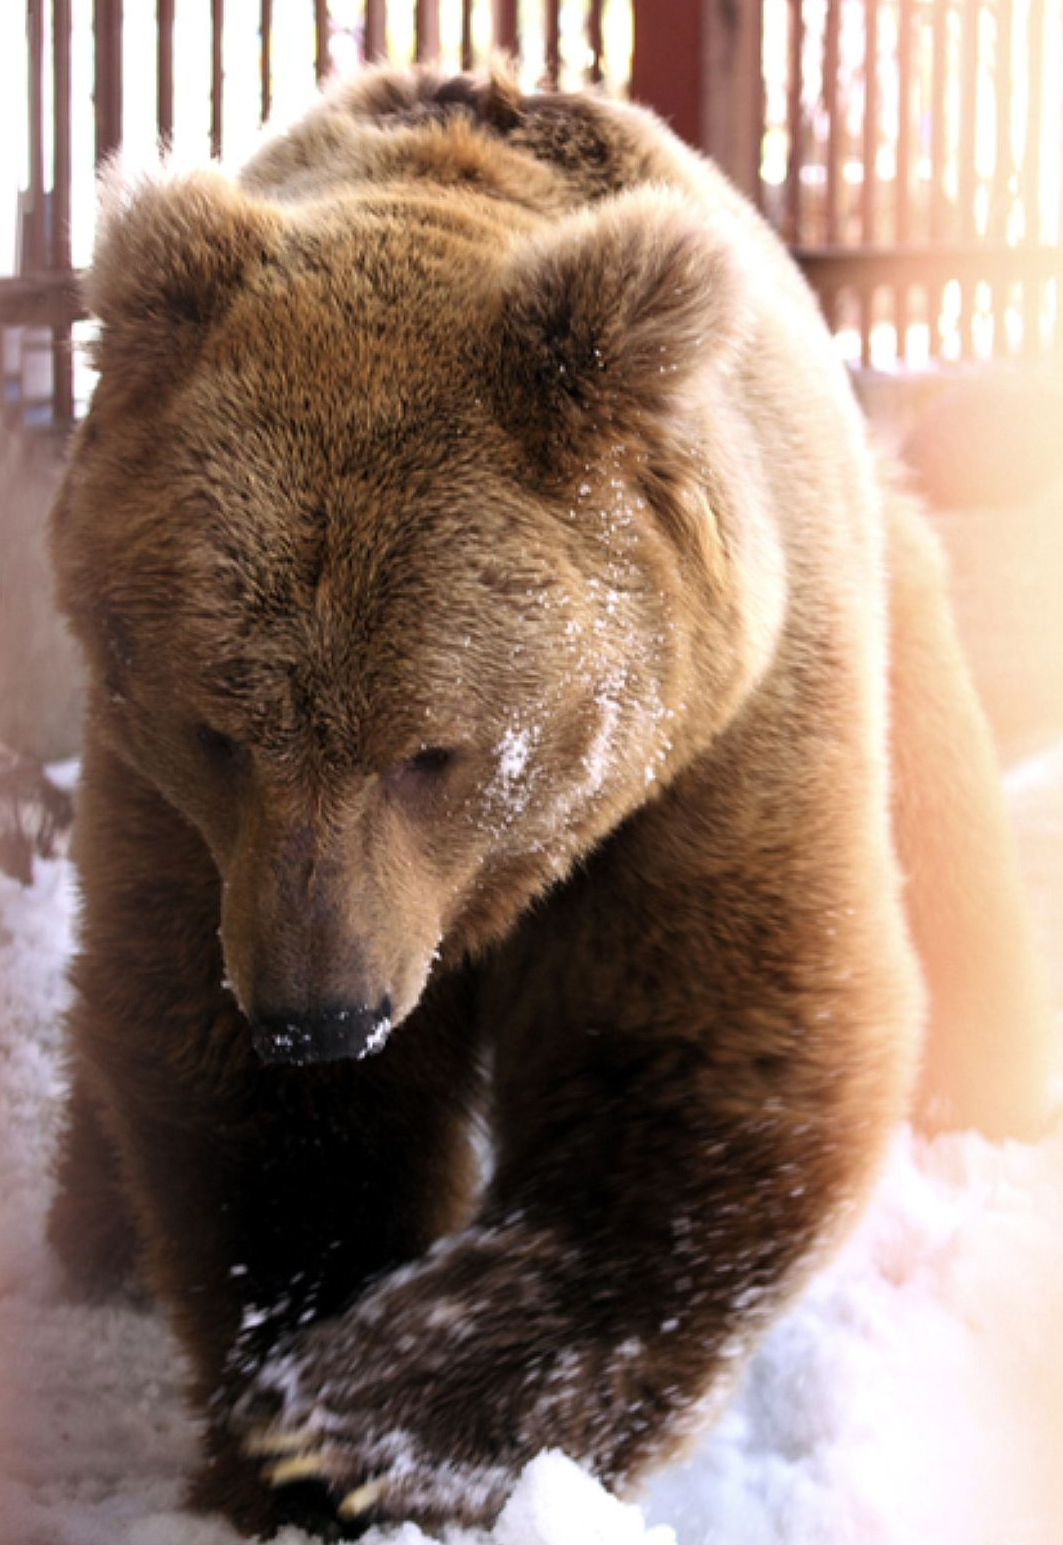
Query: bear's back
[[477, 133]]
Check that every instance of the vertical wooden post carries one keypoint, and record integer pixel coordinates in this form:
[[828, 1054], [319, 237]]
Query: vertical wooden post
[[668, 61], [869, 187], [108, 89], [217, 74], [376, 30], [967, 181], [829, 296], [61, 176], [1000, 202], [164, 68], [505, 33], [594, 40], [830, 108], [795, 122], [903, 170], [34, 255], [939, 202], [733, 90], [322, 62], [698, 63], [552, 28], [62, 358], [426, 29], [1031, 173], [265, 57], [466, 35], [903, 183], [1031, 159]]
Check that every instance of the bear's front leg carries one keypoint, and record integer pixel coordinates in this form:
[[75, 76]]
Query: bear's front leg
[[90, 1225], [322, 1195], [599, 1305], [263, 1213], [263, 1196], [679, 1132]]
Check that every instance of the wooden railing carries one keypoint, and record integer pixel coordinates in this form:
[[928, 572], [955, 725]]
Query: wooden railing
[[908, 150], [923, 173]]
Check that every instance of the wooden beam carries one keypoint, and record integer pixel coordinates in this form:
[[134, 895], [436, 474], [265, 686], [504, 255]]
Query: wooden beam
[[41, 300], [929, 264]]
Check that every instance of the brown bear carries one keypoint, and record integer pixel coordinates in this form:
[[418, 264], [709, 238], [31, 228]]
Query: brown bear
[[485, 584]]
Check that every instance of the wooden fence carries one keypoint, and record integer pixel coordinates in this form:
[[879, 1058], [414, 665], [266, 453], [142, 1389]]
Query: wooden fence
[[908, 150], [922, 182]]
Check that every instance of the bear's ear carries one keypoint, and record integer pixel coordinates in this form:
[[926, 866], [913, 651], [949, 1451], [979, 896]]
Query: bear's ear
[[605, 319], [170, 253]]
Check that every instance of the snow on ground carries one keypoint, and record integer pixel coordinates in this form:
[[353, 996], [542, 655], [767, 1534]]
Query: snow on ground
[[912, 1396]]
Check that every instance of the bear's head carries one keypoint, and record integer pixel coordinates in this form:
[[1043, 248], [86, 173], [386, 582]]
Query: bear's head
[[393, 568]]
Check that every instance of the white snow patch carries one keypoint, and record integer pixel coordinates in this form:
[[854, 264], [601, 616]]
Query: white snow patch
[[514, 749], [377, 1038], [555, 1502]]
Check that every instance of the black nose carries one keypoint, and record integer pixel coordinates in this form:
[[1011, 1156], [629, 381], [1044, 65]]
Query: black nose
[[328, 1035]]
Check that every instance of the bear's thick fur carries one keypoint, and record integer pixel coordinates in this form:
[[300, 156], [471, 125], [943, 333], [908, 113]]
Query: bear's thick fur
[[481, 569]]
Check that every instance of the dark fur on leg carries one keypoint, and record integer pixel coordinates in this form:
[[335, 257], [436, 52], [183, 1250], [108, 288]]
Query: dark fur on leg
[[90, 1226]]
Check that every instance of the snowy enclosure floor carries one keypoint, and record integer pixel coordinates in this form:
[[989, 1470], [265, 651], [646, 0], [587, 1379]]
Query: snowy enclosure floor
[[912, 1396]]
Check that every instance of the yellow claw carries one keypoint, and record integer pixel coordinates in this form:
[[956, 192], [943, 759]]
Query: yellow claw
[[265, 1441], [301, 1467], [362, 1498]]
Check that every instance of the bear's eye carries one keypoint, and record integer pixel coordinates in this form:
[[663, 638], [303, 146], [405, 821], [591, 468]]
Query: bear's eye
[[220, 748], [420, 776], [429, 762]]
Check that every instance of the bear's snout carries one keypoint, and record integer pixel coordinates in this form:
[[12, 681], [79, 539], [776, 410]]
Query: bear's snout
[[330, 1035]]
